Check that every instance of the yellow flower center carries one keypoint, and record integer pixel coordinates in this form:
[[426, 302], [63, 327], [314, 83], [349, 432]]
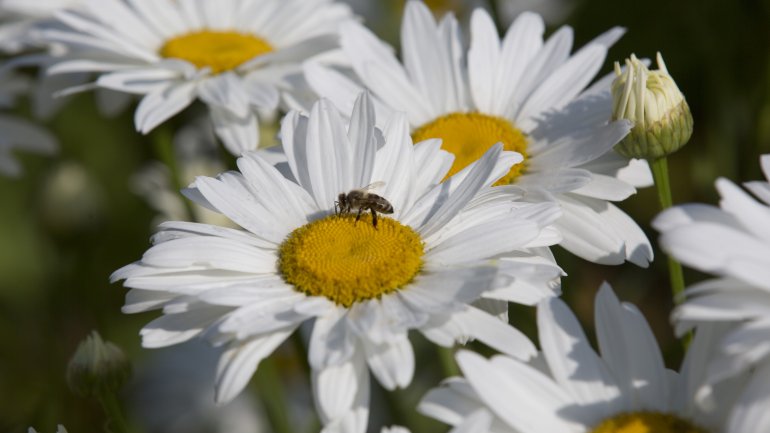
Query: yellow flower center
[[219, 50], [348, 261], [646, 422], [469, 135]]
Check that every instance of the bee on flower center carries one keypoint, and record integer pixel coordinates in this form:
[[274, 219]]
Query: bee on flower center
[[361, 199]]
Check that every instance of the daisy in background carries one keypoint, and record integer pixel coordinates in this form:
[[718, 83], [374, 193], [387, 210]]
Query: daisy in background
[[21, 25], [17, 133], [733, 242], [230, 54], [573, 389], [525, 92], [20, 21], [444, 246]]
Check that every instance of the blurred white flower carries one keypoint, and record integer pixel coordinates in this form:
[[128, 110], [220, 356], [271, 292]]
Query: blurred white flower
[[522, 91], [733, 242], [17, 133], [573, 389], [230, 54], [365, 286], [59, 429], [172, 393], [21, 21]]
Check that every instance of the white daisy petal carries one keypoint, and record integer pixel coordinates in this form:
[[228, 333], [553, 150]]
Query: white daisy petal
[[177, 328], [422, 53], [336, 86], [572, 361], [339, 389], [483, 241], [238, 134], [372, 60], [521, 43], [330, 343], [630, 350], [483, 58], [479, 421], [564, 84], [750, 413], [161, 104], [555, 51], [454, 401], [391, 363], [363, 139], [494, 333], [224, 91], [693, 245], [240, 361], [327, 143], [605, 188], [752, 215], [477, 177], [509, 390], [586, 235]]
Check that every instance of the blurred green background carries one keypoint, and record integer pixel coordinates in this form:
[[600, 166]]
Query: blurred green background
[[71, 220]]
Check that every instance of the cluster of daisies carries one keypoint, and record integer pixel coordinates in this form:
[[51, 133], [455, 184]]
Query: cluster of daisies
[[418, 191]]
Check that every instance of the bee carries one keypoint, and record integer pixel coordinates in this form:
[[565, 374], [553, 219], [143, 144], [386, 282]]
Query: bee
[[361, 200]]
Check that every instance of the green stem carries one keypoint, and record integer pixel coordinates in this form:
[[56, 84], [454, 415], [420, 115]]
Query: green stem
[[116, 422], [272, 396], [446, 356], [662, 183], [163, 142]]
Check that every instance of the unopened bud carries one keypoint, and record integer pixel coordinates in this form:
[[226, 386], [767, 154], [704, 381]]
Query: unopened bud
[[98, 367], [662, 122]]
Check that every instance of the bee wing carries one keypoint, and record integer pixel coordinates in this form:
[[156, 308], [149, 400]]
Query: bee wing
[[374, 185]]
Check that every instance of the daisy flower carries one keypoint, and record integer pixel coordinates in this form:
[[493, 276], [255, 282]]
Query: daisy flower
[[296, 259], [525, 92], [573, 389], [230, 54], [733, 242], [20, 20]]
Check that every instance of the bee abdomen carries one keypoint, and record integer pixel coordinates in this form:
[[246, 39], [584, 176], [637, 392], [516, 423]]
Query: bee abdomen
[[385, 208]]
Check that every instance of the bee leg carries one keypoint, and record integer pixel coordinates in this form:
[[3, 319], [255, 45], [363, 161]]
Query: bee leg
[[374, 217], [336, 208], [358, 217]]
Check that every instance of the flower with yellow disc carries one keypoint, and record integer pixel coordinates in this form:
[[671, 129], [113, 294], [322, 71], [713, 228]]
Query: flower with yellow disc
[[523, 91], [230, 54], [445, 246], [625, 388]]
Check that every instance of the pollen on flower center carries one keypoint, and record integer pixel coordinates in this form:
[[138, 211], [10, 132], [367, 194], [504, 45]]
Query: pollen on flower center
[[348, 261], [469, 135], [646, 422], [219, 50]]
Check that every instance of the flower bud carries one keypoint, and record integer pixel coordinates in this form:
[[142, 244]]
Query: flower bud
[[98, 367], [662, 122]]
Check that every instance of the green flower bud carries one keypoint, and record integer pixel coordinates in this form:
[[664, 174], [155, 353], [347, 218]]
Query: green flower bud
[[662, 122], [98, 367]]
